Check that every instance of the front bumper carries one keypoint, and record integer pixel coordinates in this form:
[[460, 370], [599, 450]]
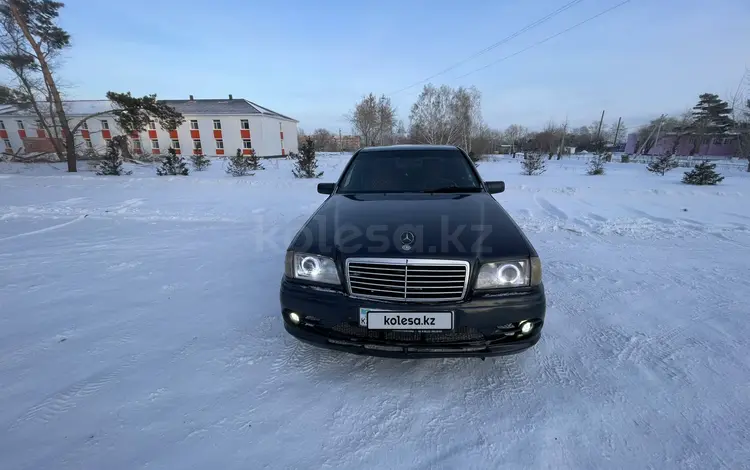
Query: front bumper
[[484, 326]]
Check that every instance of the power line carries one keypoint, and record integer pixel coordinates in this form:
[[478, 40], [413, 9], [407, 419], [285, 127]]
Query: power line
[[545, 40], [492, 46]]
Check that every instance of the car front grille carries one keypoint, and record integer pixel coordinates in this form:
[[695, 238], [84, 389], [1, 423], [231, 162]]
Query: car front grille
[[407, 280], [462, 334]]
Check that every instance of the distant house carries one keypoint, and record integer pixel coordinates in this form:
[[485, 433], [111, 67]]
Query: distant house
[[348, 142], [725, 146]]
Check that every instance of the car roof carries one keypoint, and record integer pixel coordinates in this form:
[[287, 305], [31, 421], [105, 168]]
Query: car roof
[[408, 147]]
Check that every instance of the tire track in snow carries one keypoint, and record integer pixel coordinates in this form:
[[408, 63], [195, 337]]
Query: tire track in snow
[[557, 370], [46, 229], [658, 353], [550, 208], [125, 205], [582, 227], [691, 225], [69, 397]]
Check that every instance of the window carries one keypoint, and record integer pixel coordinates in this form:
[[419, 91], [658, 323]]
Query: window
[[217, 124], [136, 145], [175, 144], [2, 125], [85, 125], [219, 144], [247, 144], [7, 143], [38, 124], [20, 125], [244, 124], [197, 144], [194, 124], [89, 144], [107, 142], [152, 125], [155, 144], [410, 171], [105, 124]]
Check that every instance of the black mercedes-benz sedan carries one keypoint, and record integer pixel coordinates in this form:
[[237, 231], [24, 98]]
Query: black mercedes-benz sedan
[[410, 255]]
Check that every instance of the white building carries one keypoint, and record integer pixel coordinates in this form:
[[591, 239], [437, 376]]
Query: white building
[[214, 126]]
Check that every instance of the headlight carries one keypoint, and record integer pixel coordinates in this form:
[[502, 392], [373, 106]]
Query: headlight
[[311, 267], [512, 273]]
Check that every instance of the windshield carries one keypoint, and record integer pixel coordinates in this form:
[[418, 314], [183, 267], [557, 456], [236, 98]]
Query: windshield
[[413, 170]]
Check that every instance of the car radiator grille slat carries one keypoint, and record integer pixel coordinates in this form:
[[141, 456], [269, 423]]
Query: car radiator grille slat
[[407, 280]]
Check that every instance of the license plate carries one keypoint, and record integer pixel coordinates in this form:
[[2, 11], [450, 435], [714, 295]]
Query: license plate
[[395, 320]]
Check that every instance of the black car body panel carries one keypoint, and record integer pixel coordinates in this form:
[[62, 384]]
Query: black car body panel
[[469, 226], [484, 325], [450, 224]]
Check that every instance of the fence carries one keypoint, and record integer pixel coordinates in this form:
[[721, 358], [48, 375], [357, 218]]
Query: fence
[[722, 163]]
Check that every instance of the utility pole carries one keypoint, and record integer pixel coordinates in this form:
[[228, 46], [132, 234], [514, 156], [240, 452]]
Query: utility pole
[[617, 131], [643, 145], [599, 134], [658, 131], [341, 143], [562, 141]]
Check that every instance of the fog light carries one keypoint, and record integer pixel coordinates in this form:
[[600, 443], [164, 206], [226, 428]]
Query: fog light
[[294, 318], [526, 327]]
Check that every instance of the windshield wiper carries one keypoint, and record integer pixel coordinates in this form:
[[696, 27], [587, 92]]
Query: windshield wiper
[[455, 189]]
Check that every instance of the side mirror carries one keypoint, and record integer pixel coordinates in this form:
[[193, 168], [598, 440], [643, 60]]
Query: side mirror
[[494, 187], [325, 188]]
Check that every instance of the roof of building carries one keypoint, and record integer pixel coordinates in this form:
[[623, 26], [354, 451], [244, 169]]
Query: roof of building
[[235, 106]]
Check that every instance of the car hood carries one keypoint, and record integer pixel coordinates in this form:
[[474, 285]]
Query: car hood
[[458, 226]]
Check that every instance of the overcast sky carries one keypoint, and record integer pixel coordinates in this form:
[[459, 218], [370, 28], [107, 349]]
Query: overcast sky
[[314, 59]]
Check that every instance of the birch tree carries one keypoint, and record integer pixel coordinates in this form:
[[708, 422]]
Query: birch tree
[[432, 119]]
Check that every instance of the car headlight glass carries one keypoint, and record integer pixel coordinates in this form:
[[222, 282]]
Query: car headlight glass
[[511, 273], [310, 267]]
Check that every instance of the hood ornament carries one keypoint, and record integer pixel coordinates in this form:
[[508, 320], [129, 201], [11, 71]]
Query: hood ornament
[[407, 240]]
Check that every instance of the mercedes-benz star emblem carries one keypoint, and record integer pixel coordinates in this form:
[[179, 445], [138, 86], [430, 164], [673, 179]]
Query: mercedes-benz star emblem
[[407, 239]]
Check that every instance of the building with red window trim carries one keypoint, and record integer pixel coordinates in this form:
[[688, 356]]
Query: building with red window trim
[[214, 126]]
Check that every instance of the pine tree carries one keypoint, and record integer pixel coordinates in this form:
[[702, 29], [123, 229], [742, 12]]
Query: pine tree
[[596, 164], [663, 164], [239, 165], [533, 164], [111, 164], [703, 174], [306, 164], [253, 161], [200, 161], [710, 117], [172, 164]]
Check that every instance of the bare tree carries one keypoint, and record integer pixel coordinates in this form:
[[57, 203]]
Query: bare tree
[[364, 119], [466, 110], [400, 136], [30, 39], [386, 120], [323, 140], [432, 119], [481, 142], [513, 135], [741, 118]]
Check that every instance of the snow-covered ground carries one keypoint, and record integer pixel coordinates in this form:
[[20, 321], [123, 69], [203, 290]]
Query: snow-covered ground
[[140, 328]]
